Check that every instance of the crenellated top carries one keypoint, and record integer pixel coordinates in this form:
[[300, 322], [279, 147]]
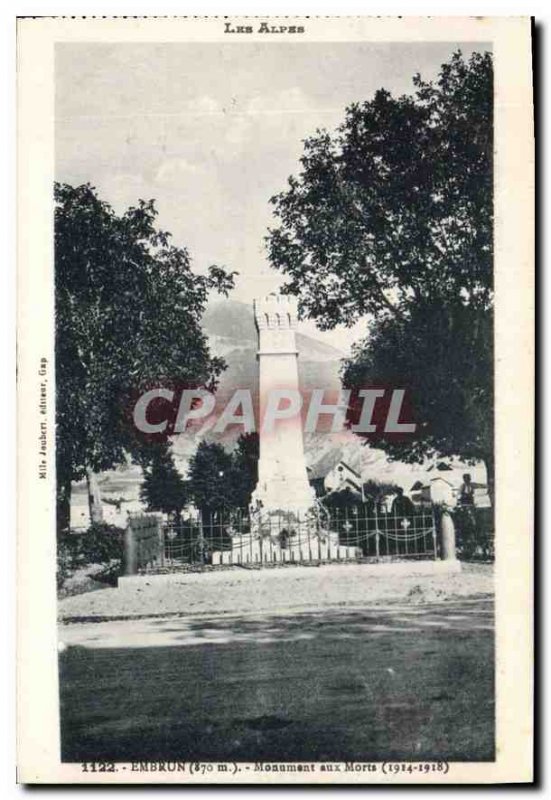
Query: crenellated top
[[276, 312]]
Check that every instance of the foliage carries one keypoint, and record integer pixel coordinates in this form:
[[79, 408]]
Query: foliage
[[392, 217], [163, 488], [208, 474], [397, 204], [474, 533], [128, 311], [443, 355], [342, 499], [245, 459], [374, 492], [100, 544], [377, 490], [64, 561], [220, 480]]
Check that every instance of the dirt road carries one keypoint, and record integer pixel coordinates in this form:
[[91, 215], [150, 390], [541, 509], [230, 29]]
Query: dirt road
[[398, 681]]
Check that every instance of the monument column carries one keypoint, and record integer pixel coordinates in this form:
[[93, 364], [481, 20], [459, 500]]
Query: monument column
[[282, 478]]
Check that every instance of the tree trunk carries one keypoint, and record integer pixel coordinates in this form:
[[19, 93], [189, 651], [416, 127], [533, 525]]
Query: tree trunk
[[63, 505], [489, 464], [94, 497]]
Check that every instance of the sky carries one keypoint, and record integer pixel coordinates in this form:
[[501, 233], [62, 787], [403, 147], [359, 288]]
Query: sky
[[211, 131]]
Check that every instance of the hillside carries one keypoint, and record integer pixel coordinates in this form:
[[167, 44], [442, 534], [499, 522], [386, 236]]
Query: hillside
[[230, 326], [232, 334]]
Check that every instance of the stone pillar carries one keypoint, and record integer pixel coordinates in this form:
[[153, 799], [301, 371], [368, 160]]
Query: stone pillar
[[447, 536], [130, 552], [282, 478]]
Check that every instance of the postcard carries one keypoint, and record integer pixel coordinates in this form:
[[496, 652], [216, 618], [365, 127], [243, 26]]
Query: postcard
[[275, 400]]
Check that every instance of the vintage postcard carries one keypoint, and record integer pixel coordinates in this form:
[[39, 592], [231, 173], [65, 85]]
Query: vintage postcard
[[275, 333]]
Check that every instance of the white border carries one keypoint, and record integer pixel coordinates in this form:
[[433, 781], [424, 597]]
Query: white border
[[514, 396]]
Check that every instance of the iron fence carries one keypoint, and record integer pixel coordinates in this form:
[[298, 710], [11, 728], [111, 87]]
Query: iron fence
[[352, 533]]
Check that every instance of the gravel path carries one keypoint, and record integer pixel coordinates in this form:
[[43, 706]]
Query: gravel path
[[250, 591]]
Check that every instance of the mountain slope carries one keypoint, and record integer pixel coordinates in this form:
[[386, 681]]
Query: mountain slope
[[230, 326]]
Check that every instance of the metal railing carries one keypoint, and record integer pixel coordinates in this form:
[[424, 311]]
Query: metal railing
[[344, 534]]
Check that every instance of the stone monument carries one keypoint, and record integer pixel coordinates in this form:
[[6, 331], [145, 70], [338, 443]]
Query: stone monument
[[286, 521], [282, 478]]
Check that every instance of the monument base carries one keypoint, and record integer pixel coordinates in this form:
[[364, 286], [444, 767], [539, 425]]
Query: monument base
[[252, 548], [299, 499]]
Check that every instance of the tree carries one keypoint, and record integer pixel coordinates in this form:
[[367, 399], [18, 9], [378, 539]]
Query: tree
[[128, 310], [245, 459], [391, 218], [220, 481], [209, 478], [443, 354], [163, 488], [377, 490]]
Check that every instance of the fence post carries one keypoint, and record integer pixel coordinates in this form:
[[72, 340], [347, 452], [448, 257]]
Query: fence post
[[201, 537], [161, 533], [447, 536], [130, 551], [377, 534]]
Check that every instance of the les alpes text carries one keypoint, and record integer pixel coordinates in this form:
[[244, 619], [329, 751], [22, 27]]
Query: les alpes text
[[229, 27]]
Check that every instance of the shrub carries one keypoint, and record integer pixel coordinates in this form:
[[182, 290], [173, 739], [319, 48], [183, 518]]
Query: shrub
[[65, 561], [101, 544], [474, 531]]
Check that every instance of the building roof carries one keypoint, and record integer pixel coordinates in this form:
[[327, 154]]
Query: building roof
[[355, 472]]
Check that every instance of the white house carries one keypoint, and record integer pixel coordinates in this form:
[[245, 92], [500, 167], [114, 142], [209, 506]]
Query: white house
[[343, 476], [442, 481]]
